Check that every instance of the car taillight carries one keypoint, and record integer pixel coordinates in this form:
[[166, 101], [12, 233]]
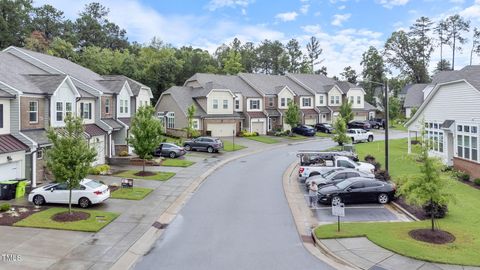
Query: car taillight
[[301, 170], [97, 192]]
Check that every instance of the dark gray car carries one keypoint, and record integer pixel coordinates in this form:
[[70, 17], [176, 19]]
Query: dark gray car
[[208, 144], [169, 150]]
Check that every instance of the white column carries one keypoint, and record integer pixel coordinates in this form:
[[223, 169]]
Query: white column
[[34, 169], [409, 143]]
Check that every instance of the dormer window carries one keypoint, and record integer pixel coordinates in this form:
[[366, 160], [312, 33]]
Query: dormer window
[[225, 104], [59, 112], [215, 103], [359, 99], [254, 104]]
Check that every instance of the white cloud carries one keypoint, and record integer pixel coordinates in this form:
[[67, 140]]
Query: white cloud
[[339, 19], [311, 29], [216, 4], [457, 1], [342, 7], [392, 3], [287, 16], [304, 9]]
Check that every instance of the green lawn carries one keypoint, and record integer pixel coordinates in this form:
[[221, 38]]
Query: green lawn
[[296, 137], [323, 135], [135, 193], [398, 127], [175, 162], [96, 221], [159, 176], [462, 220], [228, 146], [263, 139]]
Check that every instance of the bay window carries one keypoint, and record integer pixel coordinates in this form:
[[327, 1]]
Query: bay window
[[467, 142]]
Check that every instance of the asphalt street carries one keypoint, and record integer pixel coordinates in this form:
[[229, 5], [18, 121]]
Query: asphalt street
[[238, 219]]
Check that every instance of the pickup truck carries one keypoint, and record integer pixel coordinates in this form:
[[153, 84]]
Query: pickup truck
[[335, 162], [359, 135]]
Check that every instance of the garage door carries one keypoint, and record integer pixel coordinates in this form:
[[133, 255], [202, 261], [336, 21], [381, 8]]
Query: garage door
[[11, 170], [360, 117], [258, 127], [310, 122], [99, 145], [221, 130]]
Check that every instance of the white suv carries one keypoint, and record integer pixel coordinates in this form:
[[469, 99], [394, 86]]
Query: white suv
[[358, 135]]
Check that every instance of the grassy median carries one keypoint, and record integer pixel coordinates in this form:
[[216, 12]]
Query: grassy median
[[263, 139]]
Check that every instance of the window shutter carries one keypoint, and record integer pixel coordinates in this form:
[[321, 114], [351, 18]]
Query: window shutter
[[89, 110], [1, 115], [81, 109]]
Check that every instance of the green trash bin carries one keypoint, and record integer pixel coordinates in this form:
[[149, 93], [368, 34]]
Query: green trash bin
[[21, 187]]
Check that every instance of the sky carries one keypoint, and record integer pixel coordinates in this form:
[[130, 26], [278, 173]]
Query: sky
[[345, 28]]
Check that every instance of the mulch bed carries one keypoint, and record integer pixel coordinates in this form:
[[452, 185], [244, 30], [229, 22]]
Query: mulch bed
[[433, 237], [414, 210], [67, 217], [18, 213], [113, 188], [144, 173]]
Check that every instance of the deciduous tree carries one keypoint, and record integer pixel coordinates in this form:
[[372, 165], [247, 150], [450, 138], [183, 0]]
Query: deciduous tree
[[14, 22], [349, 74], [340, 131], [373, 71], [292, 115], [346, 111]]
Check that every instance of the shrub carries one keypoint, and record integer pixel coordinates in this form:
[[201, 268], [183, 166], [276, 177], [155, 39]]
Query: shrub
[[369, 159], [447, 168], [5, 207], [282, 133], [382, 175], [477, 181], [245, 133], [439, 210], [123, 153], [100, 169], [463, 176]]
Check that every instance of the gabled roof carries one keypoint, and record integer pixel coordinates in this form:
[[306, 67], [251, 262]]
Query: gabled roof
[[184, 96], [46, 83], [112, 86], [232, 82], [269, 84], [114, 124], [135, 86], [5, 94], [345, 86], [317, 82], [414, 97]]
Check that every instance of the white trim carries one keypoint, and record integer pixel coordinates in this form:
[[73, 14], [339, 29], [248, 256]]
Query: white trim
[[129, 90], [100, 93], [70, 83], [289, 90], [220, 90], [357, 88], [12, 88]]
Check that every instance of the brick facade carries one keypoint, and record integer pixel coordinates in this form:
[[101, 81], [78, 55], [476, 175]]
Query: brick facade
[[470, 167], [25, 117], [113, 108], [275, 102]]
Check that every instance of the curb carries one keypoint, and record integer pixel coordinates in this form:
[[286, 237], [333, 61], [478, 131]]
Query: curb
[[145, 243], [404, 211], [317, 249]]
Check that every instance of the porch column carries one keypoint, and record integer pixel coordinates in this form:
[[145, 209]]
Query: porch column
[[409, 143], [34, 169], [109, 144]]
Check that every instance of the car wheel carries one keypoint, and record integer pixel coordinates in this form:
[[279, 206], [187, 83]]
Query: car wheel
[[188, 147], [38, 200], [210, 149], [172, 155], [84, 202], [383, 198], [336, 200], [370, 138]]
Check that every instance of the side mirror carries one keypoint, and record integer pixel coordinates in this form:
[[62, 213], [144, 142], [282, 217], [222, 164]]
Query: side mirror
[[52, 189], [349, 189]]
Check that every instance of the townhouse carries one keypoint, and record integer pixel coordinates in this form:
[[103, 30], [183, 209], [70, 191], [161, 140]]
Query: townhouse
[[227, 104], [47, 88], [450, 116]]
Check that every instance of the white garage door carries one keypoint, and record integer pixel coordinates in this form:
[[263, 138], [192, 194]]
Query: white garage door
[[310, 122], [258, 127], [10, 170], [360, 117], [221, 130], [99, 145]]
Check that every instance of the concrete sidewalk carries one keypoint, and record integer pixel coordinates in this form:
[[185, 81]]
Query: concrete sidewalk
[[364, 254]]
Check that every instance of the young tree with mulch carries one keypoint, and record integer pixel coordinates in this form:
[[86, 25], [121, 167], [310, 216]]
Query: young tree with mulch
[[430, 186], [145, 134], [292, 115], [340, 131], [70, 157]]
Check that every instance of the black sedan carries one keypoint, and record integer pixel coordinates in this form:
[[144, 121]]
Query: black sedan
[[360, 124], [357, 190], [323, 127], [169, 150], [304, 130]]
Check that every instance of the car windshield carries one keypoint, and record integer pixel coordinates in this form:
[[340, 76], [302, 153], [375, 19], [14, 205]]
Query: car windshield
[[328, 173], [343, 184], [92, 184], [327, 125]]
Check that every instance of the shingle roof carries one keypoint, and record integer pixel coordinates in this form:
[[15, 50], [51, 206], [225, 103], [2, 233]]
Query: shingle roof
[[9, 144], [323, 109], [234, 83], [317, 82], [309, 111], [112, 86], [94, 130], [269, 84], [345, 86], [183, 95], [37, 135], [256, 114], [125, 120], [272, 112], [414, 97], [235, 115], [113, 123], [5, 94], [46, 83], [134, 85]]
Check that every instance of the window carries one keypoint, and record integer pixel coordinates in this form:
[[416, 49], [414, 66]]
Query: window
[[467, 142], [321, 100], [33, 111], [215, 103], [107, 106], [288, 101], [345, 164], [40, 154], [225, 104], [337, 100], [351, 99], [68, 108], [171, 120], [282, 102], [306, 102], [359, 99], [121, 106], [126, 106], [195, 124], [86, 110], [332, 99], [270, 102], [237, 104], [255, 104], [59, 112], [434, 136], [1, 115]]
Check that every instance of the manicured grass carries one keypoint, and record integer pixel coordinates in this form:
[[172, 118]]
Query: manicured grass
[[263, 139], [296, 137], [323, 135], [135, 193], [228, 146], [398, 127], [462, 219], [159, 176], [96, 221], [175, 162]]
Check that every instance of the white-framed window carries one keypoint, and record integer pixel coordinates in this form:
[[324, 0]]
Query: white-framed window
[[332, 99], [352, 100], [40, 153], [225, 104], [306, 102], [337, 100], [195, 124], [254, 104], [321, 100], [59, 111], [126, 106], [435, 136], [33, 112], [237, 104], [68, 108], [171, 120], [359, 100], [86, 110], [283, 102], [107, 105], [1, 116], [121, 105], [467, 141], [215, 103]]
